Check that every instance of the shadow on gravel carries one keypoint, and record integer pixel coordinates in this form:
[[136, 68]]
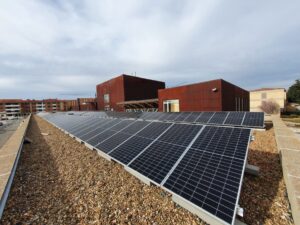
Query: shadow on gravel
[[268, 125], [258, 193], [37, 189]]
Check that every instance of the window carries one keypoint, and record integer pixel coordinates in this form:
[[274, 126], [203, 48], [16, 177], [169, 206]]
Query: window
[[263, 95], [171, 105], [106, 98]]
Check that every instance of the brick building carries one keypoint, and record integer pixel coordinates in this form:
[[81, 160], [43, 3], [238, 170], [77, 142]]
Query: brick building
[[10, 108], [82, 104], [128, 93], [214, 95]]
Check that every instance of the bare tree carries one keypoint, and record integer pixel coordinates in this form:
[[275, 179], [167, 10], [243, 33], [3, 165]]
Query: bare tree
[[270, 107]]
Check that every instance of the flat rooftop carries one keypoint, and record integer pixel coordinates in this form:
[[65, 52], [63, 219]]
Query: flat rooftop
[[60, 181]]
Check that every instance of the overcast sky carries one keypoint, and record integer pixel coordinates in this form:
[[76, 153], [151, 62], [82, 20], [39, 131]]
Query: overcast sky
[[64, 48]]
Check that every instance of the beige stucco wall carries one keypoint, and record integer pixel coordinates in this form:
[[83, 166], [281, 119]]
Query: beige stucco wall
[[277, 95]]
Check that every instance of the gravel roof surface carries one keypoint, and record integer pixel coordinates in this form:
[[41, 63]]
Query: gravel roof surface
[[59, 181]]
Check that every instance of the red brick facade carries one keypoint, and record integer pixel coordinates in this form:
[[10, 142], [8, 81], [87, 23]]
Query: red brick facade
[[126, 88], [215, 95]]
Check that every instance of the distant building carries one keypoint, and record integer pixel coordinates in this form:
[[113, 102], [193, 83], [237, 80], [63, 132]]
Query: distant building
[[82, 104], [10, 108], [257, 96], [128, 93], [214, 95]]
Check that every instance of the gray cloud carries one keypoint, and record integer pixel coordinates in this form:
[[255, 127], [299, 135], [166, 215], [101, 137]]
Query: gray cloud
[[64, 48]]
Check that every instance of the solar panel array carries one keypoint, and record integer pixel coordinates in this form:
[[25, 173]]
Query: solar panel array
[[242, 119], [202, 164]]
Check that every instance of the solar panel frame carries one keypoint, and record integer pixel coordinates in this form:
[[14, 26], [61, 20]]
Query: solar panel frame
[[182, 117], [235, 118], [117, 139], [83, 125], [114, 130], [218, 118], [160, 150], [186, 151], [258, 117], [192, 117], [193, 204], [204, 117], [92, 134], [94, 128], [79, 133], [121, 153]]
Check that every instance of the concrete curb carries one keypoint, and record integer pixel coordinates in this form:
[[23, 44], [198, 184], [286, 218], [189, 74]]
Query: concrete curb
[[289, 149], [9, 157]]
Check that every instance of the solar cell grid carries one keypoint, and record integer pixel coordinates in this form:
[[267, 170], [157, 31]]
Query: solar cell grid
[[192, 117], [121, 125], [171, 116], [84, 124], [130, 149], [163, 116], [227, 141], [154, 115], [157, 160], [254, 119], [181, 117], [210, 181], [208, 174], [135, 127], [110, 143], [218, 118], [92, 134], [181, 134], [235, 118], [204, 117], [153, 130], [89, 127], [100, 137]]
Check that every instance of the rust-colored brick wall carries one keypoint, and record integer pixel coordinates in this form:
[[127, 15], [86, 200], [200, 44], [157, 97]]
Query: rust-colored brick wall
[[194, 97], [137, 88], [115, 89], [126, 88], [87, 104], [234, 98], [201, 97]]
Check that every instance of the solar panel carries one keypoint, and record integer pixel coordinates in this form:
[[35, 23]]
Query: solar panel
[[218, 118], [92, 134], [172, 116], [164, 116], [254, 119], [153, 130], [227, 141], [210, 181], [180, 134], [100, 137], [210, 173], [121, 125], [135, 127], [204, 117], [202, 164], [130, 149], [235, 118], [192, 117], [181, 117], [84, 124], [112, 142], [90, 126], [157, 160], [78, 123]]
